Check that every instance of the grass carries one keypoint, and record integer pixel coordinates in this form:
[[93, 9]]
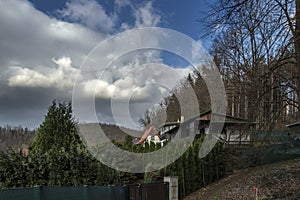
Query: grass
[[274, 181]]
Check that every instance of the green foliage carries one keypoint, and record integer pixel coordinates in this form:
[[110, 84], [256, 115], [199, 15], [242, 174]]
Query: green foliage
[[180, 102], [57, 157], [193, 172], [13, 169], [58, 148], [57, 131]]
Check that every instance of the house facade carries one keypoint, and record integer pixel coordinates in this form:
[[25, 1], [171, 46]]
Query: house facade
[[228, 129]]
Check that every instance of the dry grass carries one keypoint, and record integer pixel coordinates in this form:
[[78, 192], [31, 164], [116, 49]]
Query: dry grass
[[275, 181]]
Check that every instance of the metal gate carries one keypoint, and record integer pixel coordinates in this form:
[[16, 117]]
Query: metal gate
[[149, 191]]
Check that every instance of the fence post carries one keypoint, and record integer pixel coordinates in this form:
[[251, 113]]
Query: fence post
[[126, 192], [85, 192], [166, 184], [140, 192], [37, 192], [173, 187]]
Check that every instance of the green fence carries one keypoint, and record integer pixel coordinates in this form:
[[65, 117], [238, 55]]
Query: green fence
[[275, 136], [282, 147], [145, 192], [66, 193], [245, 156], [280, 152]]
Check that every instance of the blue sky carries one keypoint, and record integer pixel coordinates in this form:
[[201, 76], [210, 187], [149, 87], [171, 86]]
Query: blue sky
[[44, 43], [179, 15]]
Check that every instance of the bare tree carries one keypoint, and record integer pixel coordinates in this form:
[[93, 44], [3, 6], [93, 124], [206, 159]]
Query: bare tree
[[297, 49], [254, 48]]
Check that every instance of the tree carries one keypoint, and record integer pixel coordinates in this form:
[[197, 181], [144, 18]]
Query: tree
[[297, 50], [191, 93], [58, 130], [57, 157], [62, 155], [60, 151], [254, 48], [13, 169]]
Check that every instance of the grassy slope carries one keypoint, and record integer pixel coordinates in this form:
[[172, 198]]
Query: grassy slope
[[275, 181]]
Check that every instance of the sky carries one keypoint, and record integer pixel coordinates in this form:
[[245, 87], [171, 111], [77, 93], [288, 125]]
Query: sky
[[44, 43]]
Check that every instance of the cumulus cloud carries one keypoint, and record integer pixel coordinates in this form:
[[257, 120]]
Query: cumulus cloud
[[146, 16], [31, 38], [41, 55], [27, 77], [90, 14], [136, 82], [62, 77]]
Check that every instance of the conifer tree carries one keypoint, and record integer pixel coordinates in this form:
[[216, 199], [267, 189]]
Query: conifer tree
[[58, 130]]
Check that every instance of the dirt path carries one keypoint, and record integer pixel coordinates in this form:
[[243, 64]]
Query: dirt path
[[275, 181]]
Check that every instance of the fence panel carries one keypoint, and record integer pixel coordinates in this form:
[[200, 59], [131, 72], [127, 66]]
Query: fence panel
[[66, 193], [281, 152], [21, 194], [149, 191], [155, 191], [134, 192], [107, 192], [63, 193]]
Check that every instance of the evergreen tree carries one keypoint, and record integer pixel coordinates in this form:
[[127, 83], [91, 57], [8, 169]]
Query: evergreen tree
[[58, 131], [59, 150]]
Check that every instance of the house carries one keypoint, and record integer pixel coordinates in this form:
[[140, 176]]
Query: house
[[167, 127], [234, 130], [294, 130], [147, 137]]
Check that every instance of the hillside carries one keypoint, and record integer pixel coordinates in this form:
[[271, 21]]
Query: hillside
[[275, 181], [16, 137], [118, 134]]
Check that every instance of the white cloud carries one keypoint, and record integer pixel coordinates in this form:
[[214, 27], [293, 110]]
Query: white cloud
[[146, 16], [91, 14], [122, 3], [40, 53], [31, 38], [136, 82], [27, 77], [31, 48], [62, 77]]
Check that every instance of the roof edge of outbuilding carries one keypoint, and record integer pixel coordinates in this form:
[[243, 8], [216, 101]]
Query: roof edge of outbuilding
[[293, 124]]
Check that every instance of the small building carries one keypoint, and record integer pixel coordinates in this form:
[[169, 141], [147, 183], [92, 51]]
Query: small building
[[234, 130], [294, 130], [147, 137]]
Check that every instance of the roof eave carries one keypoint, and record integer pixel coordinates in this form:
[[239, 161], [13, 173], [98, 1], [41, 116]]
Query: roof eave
[[293, 124]]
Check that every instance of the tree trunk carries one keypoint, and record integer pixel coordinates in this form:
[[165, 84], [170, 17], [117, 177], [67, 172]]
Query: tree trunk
[[297, 51]]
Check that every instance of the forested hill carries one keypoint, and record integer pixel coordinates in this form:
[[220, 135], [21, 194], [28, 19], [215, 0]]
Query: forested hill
[[16, 137], [118, 133]]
